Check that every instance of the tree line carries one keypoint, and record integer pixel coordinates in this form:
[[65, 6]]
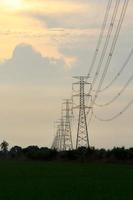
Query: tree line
[[82, 154]]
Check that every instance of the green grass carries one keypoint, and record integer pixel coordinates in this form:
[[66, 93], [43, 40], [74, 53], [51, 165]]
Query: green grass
[[60, 181]]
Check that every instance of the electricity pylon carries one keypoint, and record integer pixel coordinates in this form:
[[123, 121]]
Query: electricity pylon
[[56, 142], [62, 134], [67, 115], [82, 132]]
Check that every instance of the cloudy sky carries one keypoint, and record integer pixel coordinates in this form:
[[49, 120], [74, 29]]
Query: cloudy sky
[[43, 44]]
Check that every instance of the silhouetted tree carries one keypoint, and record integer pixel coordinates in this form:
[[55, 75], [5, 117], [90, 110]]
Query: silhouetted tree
[[4, 146], [120, 153], [81, 154], [130, 153], [31, 152], [46, 153], [16, 151]]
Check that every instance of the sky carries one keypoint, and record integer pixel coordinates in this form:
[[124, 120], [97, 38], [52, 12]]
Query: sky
[[43, 44]]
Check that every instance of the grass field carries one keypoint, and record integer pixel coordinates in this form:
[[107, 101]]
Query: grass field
[[60, 181]]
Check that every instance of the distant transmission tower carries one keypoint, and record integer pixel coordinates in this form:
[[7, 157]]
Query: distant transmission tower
[[67, 115], [82, 132], [56, 142], [62, 134]]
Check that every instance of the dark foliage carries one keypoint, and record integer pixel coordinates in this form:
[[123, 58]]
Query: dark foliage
[[82, 154], [16, 151]]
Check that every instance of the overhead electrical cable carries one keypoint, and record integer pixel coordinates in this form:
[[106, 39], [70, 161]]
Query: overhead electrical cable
[[118, 95], [107, 40], [108, 8], [115, 116], [113, 44], [119, 73], [120, 22], [112, 49]]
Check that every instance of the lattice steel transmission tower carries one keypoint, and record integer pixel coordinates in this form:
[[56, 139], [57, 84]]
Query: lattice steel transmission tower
[[82, 132], [67, 115], [56, 142], [62, 134]]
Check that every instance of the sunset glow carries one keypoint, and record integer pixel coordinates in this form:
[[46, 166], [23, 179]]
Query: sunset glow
[[43, 44], [14, 4]]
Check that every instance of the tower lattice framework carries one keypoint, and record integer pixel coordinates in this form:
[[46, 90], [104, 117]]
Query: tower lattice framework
[[67, 111], [82, 139], [56, 142]]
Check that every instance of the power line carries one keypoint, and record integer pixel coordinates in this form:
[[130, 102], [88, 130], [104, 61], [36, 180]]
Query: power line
[[112, 49], [115, 116], [122, 15], [104, 50], [119, 73], [108, 7], [118, 95], [113, 43]]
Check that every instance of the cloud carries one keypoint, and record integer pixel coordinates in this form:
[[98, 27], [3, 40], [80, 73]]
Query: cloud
[[31, 88], [66, 14], [69, 21], [28, 66], [63, 13]]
